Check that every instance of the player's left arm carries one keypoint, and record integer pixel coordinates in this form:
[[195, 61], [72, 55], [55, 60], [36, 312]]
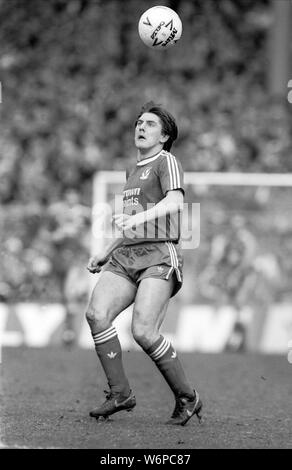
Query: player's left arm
[[171, 203]]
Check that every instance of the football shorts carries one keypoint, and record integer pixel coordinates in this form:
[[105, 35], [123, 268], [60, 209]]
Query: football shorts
[[158, 260]]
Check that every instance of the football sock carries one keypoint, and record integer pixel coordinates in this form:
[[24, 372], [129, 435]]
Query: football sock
[[165, 358], [108, 348]]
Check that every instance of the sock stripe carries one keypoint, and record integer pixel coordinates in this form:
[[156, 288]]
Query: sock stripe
[[161, 345], [160, 350], [104, 333], [104, 336]]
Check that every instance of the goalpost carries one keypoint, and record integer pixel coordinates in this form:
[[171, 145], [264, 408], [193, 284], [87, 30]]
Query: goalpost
[[260, 206]]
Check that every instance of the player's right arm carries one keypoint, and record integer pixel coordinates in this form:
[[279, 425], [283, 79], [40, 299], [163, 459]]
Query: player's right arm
[[100, 258]]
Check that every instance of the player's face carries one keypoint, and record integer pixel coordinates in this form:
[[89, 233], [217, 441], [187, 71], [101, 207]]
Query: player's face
[[148, 133]]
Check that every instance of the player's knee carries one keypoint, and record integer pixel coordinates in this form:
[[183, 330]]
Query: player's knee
[[143, 334], [96, 316]]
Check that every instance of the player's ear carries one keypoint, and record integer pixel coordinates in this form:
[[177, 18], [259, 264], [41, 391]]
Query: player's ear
[[164, 138]]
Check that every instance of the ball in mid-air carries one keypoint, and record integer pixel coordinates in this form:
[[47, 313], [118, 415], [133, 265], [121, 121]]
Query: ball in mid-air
[[160, 27]]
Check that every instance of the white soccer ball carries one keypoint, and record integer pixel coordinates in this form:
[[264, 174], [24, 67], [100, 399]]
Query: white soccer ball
[[160, 27]]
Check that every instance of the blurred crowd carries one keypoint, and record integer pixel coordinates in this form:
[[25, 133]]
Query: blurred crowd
[[74, 75]]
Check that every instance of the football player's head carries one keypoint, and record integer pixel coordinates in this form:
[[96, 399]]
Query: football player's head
[[168, 124]]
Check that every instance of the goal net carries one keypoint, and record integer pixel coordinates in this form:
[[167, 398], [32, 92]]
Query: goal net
[[237, 272]]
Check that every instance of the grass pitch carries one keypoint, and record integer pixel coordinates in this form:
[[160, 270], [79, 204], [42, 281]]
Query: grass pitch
[[46, 394]]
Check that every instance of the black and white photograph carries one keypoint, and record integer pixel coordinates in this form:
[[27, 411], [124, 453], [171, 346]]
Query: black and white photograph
[[145, 227]]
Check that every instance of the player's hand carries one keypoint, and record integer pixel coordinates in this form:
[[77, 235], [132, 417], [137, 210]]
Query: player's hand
[[127, 222], [120, 220], [95, 263]]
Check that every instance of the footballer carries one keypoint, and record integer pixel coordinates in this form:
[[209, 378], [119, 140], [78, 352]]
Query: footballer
[[143, 266]]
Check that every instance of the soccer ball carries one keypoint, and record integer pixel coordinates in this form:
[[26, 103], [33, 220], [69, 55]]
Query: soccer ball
[[160, 27]]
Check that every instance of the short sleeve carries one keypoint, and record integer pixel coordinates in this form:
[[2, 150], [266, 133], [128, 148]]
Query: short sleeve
[[170, 173]]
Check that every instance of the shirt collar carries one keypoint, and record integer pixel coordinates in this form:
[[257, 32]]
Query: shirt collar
[[150, 159]]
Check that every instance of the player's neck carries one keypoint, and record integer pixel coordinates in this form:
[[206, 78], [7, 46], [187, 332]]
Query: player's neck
[[144, 154]]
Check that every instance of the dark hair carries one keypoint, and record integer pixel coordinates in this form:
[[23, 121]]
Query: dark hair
[[168, 123]]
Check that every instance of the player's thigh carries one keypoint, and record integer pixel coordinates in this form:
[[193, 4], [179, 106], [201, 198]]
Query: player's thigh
[[151, 302], [111, 295]]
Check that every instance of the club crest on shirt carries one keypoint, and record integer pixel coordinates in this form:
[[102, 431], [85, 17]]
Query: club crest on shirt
[[145, 173]]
